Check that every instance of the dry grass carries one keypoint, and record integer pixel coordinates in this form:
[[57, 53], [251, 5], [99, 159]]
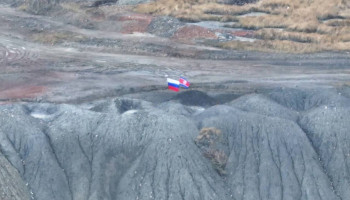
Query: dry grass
[[338, 22], [286, 46], [273, 34], [83, 11], [207, 140], [270, 21], [23, 7], [56, 37], [191, 10], [305, 25], [73, 7], [209, 133], [296, 9]]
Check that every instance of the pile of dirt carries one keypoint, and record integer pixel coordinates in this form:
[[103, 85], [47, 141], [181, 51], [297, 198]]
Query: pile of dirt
[[132, 149]]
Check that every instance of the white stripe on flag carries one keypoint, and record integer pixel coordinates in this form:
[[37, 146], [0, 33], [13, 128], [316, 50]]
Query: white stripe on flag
[[173, 81]]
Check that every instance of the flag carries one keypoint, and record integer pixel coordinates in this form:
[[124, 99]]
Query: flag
[[173, 84], [184, 83]]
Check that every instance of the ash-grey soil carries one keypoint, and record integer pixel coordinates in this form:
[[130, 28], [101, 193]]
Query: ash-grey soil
[[12, 186], [91, 118], [123, 148]]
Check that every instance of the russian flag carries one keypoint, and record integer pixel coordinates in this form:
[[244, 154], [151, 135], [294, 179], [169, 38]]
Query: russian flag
[[184, 83], [173, 84]]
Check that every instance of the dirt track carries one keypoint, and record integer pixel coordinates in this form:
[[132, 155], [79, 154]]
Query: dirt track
[[106, 64], [290, 142]]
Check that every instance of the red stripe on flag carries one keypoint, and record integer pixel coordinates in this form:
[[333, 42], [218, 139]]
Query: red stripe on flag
[[176, 89], [184, 82]]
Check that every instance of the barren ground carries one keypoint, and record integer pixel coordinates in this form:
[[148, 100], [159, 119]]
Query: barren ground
[[85, 112], [105, 64]]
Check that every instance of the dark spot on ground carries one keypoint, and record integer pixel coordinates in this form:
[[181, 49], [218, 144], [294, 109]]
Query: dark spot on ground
[[195, 98]]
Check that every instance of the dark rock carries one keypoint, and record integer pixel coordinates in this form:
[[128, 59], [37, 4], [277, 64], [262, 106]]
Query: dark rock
[[164, 26], [124, 105], [103, 2], [237, 2]]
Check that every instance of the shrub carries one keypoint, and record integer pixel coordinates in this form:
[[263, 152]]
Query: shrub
[[207, 141], [218, 159]]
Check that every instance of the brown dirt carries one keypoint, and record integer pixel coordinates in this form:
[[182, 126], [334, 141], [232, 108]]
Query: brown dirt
[[135, 23], [22, 92], [192, 32]]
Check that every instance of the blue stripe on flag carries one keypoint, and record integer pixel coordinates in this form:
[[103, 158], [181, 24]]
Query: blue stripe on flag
[[173, 84]]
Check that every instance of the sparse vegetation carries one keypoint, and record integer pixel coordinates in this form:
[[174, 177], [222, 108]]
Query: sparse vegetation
[[210, 134], [23, 7], [296, 26], [218, 159], [56, 37], [192, 10], [207, 140], [285, 46]]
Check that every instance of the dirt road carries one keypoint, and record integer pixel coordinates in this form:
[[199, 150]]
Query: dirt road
[[105, 64]]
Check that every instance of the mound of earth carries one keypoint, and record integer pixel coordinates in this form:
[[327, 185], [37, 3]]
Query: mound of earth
[[195, 98], [260, 104], [254, 147]]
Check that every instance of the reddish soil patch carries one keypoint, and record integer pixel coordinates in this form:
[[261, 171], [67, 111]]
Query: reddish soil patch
[[194, 32], [248, 34], [135, 26], [137, 17], [4, 102], [134, 23], [22, 92]]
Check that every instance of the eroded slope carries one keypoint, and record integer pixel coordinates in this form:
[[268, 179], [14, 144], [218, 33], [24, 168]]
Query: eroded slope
[[132, 149]]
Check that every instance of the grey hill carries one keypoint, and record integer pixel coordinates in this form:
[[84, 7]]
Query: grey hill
[[259, 146], [85, 112]]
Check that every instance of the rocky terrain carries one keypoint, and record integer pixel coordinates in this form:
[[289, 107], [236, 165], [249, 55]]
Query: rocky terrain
[[85, 113]]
